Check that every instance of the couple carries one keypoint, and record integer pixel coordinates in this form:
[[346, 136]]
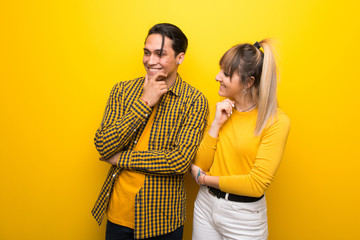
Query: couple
[[155, 129]]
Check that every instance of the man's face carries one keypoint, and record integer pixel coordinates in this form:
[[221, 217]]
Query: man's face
[[166, 63]]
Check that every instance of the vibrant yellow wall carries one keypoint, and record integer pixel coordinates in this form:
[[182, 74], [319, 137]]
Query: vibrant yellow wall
[[60, 59]]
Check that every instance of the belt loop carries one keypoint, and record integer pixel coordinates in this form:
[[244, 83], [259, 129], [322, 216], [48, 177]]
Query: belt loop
[[227, 196]]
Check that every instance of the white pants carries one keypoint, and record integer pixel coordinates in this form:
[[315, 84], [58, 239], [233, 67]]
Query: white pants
[[220, 219]]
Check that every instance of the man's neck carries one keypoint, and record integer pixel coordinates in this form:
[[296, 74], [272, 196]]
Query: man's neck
[[170, 81]]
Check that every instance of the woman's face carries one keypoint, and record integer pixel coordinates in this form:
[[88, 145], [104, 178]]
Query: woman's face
[[229, 88]]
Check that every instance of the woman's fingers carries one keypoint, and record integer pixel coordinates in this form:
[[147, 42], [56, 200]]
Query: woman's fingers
[[226, 106]]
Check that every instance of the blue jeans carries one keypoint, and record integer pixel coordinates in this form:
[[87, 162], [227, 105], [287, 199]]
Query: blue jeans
[[117, 232]]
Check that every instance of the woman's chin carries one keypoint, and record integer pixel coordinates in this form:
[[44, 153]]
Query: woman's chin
[[221, 94]]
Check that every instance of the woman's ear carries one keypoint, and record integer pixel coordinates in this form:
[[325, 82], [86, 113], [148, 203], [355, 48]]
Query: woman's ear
[[250, 82]]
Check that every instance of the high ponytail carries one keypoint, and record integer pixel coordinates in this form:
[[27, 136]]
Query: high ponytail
[[267, 98]]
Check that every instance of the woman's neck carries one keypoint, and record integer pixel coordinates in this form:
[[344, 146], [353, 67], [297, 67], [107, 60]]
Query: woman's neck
[[244, 104]]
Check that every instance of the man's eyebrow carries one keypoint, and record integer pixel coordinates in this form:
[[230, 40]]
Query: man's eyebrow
[[156, 50], [159, 50]]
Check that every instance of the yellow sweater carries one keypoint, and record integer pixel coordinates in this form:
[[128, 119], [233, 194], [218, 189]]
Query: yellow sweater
[[245, 163]]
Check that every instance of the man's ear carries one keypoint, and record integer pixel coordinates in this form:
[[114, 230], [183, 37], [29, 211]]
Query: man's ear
[[180, 58]]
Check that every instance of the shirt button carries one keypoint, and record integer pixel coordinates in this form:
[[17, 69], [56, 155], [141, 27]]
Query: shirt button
[[107, 194], [146, 115], [135, 141], [114, 175], [135, 130]]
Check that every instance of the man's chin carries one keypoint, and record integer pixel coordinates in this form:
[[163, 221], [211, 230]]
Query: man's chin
[[151, 75], [160, 79]]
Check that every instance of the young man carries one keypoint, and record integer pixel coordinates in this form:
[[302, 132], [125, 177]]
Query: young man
[[150, 132]]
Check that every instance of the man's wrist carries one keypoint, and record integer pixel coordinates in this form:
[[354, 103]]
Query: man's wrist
[[146, 102]]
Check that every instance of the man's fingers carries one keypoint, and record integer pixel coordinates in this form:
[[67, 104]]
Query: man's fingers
[[146, 79], [160, 85], [157, 75]]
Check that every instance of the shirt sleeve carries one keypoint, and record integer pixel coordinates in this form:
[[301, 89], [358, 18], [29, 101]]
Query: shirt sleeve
[[178, 159], [116, 129], [267, 161]]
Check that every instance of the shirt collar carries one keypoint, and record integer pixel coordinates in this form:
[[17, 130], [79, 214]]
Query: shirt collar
[[176, 87]]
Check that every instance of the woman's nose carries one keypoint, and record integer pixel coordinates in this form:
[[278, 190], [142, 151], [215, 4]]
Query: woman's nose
[[218, 78]]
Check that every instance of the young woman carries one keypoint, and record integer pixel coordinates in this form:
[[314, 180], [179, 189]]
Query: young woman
[[242, 147]]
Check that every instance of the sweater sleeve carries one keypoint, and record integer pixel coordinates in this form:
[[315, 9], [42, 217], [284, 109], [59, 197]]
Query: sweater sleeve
[[267, 161], [205, 154]]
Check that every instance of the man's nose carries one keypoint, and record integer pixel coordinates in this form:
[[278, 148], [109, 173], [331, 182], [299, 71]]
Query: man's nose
[[153, 59]]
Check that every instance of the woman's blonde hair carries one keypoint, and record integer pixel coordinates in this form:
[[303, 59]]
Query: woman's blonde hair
[[259, 62]]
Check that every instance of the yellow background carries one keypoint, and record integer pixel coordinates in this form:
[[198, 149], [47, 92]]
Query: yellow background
[[60, 59]]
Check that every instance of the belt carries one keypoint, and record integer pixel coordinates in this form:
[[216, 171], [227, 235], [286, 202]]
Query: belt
[[232, 197]]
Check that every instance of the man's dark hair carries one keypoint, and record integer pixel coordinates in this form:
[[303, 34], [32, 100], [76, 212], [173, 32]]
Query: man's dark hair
[[179, 40]]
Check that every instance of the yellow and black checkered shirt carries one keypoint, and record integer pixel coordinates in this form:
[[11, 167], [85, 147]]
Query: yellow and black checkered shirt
[[175, 135]]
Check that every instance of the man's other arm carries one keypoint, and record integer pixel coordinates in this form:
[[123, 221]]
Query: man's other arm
[[177, 160], [116, 128]]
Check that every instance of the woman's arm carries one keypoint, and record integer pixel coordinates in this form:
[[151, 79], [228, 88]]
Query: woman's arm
[[205, 154], [262, 173], [266, 163]]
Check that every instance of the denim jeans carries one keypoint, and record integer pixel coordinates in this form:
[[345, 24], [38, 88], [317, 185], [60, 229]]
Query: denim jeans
[[117, 232]]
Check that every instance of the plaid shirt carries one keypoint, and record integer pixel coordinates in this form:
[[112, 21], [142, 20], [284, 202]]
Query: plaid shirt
[[175, 135]]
